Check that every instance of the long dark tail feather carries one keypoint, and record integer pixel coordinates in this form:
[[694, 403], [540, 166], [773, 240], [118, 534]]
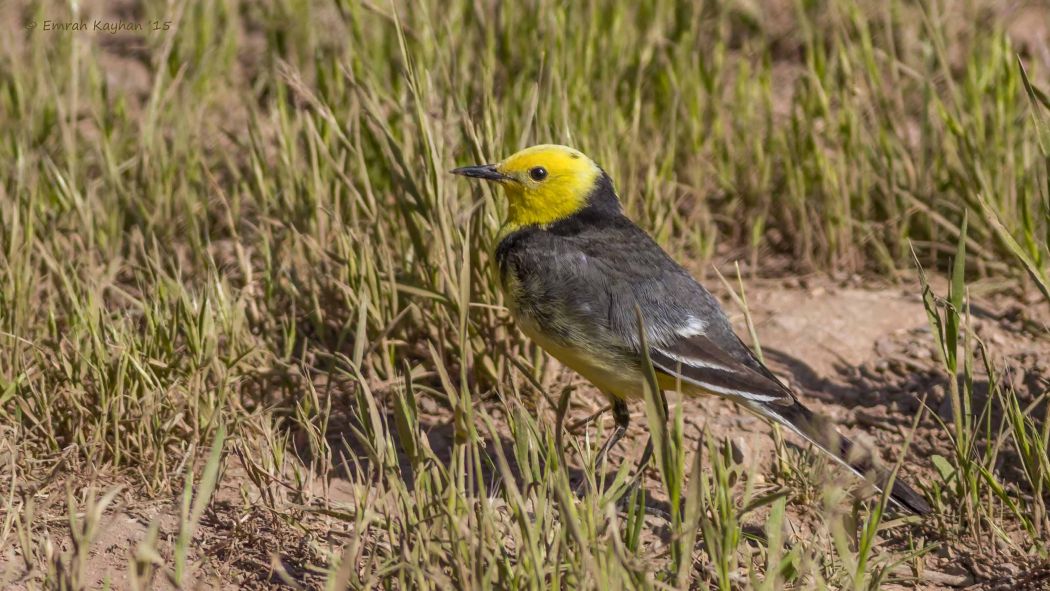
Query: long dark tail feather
[[821, 433]]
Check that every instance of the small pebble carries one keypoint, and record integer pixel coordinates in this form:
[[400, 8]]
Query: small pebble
[[739, 449], [427, 404]]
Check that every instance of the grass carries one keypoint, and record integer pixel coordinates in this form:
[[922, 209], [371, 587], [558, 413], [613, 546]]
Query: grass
[[238, 234]]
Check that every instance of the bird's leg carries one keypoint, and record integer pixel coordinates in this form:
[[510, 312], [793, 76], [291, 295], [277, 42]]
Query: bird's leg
[[622, 416], [647, 455]]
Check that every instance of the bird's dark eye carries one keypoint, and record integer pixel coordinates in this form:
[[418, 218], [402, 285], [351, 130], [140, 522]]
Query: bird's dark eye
[[538, 173]]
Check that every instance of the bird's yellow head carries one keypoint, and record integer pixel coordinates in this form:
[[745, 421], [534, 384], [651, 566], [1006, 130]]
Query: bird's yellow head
[[543, 183]]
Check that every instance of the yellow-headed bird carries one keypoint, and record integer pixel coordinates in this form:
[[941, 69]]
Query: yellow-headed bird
[[576, 271]]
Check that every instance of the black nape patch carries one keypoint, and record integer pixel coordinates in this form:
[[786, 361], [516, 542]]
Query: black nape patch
[[574, 156]]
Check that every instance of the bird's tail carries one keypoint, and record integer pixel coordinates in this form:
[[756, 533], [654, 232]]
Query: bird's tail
[[821, 433]]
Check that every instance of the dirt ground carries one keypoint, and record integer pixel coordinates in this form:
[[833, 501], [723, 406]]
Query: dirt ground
[[861, 356]]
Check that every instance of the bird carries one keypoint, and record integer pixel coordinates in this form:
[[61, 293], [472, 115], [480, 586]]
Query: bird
[[577, 273]]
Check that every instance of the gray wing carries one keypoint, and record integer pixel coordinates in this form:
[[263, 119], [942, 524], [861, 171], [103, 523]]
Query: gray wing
[[689, 336], [699, 361]]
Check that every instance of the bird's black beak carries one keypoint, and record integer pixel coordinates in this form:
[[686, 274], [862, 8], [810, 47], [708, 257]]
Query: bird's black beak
[[481, 171]]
